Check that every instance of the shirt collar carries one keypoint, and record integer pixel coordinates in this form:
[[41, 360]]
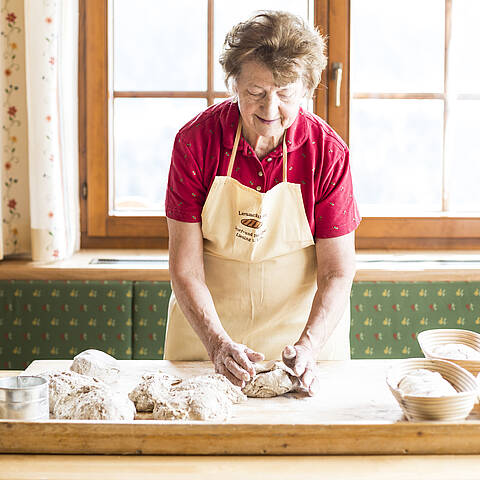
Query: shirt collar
[[296, 133]]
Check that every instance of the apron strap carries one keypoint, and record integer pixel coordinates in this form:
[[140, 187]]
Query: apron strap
[[284, 154], [235, 146], [234, 150]]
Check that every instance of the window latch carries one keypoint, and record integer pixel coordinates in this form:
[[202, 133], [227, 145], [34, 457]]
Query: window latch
[[337, 69]]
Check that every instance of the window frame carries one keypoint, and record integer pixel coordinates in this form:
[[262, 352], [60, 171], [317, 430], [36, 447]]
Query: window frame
[[442, 231], [101, 230]]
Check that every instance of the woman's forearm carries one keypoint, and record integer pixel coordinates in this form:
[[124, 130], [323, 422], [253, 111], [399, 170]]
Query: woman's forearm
[[197, 305], [328, 307], [188, 281]]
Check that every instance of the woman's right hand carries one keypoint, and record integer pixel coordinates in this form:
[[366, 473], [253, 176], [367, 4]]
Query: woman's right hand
[[234, 360]]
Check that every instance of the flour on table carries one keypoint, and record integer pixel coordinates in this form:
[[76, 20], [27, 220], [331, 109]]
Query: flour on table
[[91, 402], [271, 380], [95, 363], [456, 351], [61, 384], [204, 397], [425, 383], [150, 387]]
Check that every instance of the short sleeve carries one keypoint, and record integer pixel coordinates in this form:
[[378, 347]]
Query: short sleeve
[[336, 211], [186, 192]]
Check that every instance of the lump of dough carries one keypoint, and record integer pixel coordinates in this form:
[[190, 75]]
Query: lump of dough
[[271, 380], [150, 387], [425, 383], [91, 402], [206, 404], [204, 397], [95, 363], [61, 384], [213, 380], [456, 351]]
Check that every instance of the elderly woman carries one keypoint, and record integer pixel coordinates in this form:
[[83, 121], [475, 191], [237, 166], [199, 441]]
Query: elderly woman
[[261, 214]]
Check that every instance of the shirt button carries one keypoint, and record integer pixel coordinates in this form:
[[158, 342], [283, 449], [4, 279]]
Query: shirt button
[[269, 159], [259, 188], [260, 174]]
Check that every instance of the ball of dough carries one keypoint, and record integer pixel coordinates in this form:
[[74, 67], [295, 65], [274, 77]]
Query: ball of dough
[[271, 380], [95, 363], [204, 397], [61, 384], [425, 383], [456, 351], [94, 403], [150, 387], [204, 404], [213, 380]]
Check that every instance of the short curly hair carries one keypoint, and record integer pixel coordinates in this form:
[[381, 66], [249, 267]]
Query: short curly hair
[[281, 41]]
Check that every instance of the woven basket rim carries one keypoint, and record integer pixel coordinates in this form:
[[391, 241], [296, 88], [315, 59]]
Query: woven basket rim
[[394, 369], [427, 340], [448, 331]]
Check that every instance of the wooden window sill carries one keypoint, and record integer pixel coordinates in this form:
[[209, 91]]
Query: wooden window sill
[[153, 266], [78, 267], [406, 266]]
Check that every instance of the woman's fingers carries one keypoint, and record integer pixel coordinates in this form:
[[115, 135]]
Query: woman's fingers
[[253, 355], [313, 389], [289, 352], [300, 360], [296, 359], [242, 359], [309, 380], [234, 368], [233, 379], [300, 365], [234, 361], [289, 355]]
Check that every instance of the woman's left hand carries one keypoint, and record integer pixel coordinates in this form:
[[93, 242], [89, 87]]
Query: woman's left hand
[[302, 361]]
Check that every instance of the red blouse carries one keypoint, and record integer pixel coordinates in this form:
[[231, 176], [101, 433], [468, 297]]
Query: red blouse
[[317, 159]]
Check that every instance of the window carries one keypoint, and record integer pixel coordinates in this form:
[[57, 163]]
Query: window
[[408, 118], [413, 133]]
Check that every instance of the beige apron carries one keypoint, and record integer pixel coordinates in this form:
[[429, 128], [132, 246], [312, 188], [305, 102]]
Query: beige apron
[[260, 268]]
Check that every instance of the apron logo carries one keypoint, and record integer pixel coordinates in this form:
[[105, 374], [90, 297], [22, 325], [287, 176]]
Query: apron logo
[[251, 222]]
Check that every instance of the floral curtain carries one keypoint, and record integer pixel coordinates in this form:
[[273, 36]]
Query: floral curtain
[[39, 189]]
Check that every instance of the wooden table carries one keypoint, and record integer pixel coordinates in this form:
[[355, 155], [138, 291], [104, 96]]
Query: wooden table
[[354, 397], [354, 414]]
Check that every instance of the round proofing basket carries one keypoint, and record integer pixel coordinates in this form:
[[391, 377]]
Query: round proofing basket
[[429, 339], [448, 408]]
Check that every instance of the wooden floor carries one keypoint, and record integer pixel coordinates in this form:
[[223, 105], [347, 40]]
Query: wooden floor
[[75, 467]]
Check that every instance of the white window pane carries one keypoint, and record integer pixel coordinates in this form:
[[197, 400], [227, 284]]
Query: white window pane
[[144, 131], [465, 171], [465, 42], [219, 99], [160, 45], [396, 155], [397, 46], [228, 14]]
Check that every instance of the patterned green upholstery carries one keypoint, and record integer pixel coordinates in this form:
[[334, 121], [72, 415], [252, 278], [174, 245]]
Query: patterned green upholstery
[[56, 320], [150, 319], [387, 316]]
